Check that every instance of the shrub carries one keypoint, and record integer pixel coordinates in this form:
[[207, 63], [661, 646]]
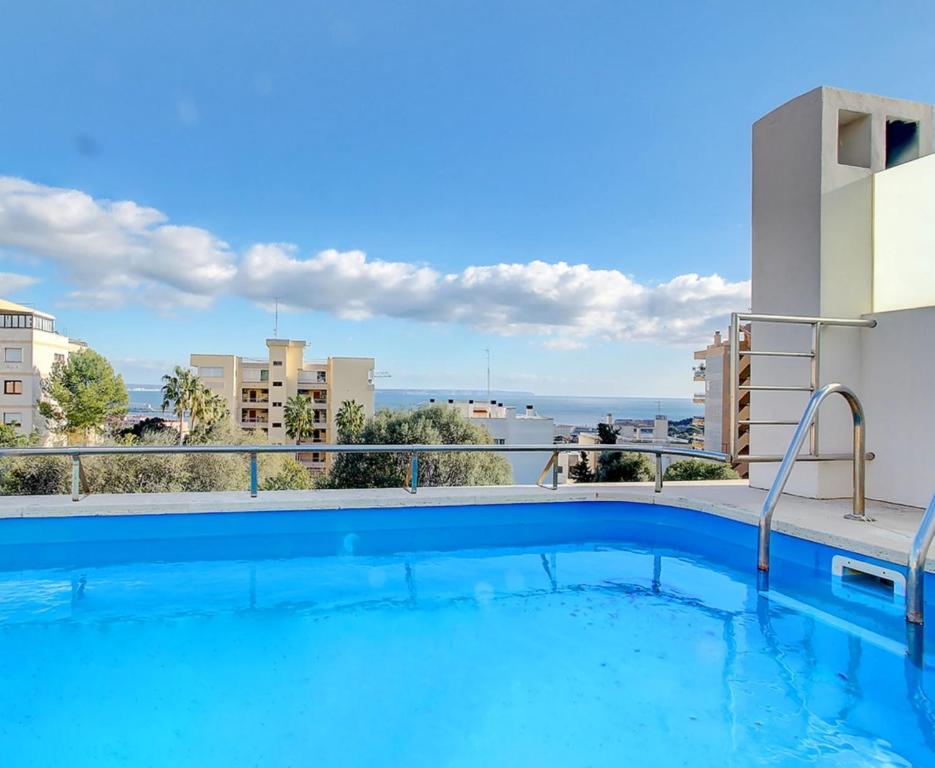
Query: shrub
[[697, 469]]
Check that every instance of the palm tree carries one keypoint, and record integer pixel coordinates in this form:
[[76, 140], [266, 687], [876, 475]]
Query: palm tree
[[350, 421], [179, 391], [299, 418]]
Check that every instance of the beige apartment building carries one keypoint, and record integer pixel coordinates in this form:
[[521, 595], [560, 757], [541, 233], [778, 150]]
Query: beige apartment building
[[713, 369], [29, 347], [256, 389]]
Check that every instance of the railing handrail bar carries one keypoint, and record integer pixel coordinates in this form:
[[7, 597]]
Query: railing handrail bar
[[915, 575], [855, 322], [791, 455], [109, 450]]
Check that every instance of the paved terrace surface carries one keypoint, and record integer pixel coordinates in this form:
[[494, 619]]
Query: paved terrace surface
[[887, 538]]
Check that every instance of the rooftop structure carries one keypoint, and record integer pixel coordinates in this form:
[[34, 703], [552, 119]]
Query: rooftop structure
[[843, 185], [30, 347], [256, 390]]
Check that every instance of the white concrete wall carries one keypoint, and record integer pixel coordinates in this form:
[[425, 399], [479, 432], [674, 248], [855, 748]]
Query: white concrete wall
[[714, 403], [904, 236], [897, 386], [514, 430]]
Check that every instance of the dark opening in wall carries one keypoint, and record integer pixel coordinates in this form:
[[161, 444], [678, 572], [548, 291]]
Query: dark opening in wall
[[902, 141], [853, 138]]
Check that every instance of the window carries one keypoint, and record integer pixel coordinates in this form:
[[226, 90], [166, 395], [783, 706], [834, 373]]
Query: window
[[13, 354], [264, 374], [277, 362], [499, 441], [902, 141], [12, 387], [277, 383], [58, 357], [277, 405], [13, 419], [277, 424], [210, 372]]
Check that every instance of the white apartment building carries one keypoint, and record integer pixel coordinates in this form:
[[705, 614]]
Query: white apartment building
[[30, 347], [844, 227], [256, 389], [509, 427]]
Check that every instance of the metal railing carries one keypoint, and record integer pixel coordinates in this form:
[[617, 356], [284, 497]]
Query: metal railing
[[814, 355], [792, 455], [915, 571], [413, 451]]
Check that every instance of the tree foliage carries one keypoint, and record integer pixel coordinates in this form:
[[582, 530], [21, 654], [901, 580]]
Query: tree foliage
[[350, 421], [183, 392], [581, 472], [83, 395], [431, 426], [615, 467], [697, 469], [607, 434], [299, 418]]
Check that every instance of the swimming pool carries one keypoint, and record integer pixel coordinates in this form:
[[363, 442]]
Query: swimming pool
[[562, 634]]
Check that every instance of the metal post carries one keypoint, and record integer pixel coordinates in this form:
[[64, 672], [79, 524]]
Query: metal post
[[658, 473], [815, 375], [253, 483], [75, 477], [915, 580], [554, 470], [414, 473], [734, 383]]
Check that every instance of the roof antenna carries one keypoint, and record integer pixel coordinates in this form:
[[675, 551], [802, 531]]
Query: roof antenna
[[276, 322]]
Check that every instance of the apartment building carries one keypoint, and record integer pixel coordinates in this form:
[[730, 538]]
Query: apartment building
[[256, 389], [509, 426], [30, 347], [713, 368]]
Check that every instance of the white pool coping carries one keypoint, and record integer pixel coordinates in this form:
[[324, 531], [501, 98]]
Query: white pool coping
[[887, 538]]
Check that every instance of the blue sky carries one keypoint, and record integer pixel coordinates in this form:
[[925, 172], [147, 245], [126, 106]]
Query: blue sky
[[417, 181]]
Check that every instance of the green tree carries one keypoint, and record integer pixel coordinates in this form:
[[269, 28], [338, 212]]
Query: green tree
[[429, 426], [83, 395], [697, 469], [614, 467], [581, 472], [607, 434], [290, 476], [179, 390], [350, 421], [299, 418]]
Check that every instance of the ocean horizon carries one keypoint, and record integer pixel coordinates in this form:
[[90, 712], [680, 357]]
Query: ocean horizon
[[565, 409]]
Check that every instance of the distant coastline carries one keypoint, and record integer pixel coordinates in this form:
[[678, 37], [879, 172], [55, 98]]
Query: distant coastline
[[565, 409]]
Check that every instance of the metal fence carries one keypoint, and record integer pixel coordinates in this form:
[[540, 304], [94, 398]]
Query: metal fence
[[412, 451]]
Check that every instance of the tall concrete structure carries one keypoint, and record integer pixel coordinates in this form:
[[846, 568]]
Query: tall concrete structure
[[844, 226], [256, 389], [29, 347]]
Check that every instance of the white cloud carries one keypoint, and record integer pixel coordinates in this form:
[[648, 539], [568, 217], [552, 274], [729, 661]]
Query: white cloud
[[115, 253], [10, 282], [563, 344]]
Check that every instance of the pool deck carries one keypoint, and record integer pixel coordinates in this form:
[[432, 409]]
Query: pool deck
[[887, 538]]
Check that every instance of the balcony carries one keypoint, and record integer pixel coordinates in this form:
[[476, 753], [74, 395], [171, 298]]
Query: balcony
[[698, 421], [698, 374], [313, 377], [254, 422], [698, 398]]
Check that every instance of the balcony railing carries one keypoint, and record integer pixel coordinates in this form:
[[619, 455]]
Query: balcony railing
[[412, 451]]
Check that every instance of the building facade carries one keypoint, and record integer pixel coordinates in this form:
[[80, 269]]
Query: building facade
[[713, 368], [30, 346], [509, 426], [256, 390]]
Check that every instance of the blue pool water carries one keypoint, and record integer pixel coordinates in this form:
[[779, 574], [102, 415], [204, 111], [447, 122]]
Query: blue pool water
[[566, 634]]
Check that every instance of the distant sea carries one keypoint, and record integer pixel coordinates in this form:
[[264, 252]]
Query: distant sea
[[565, 409]]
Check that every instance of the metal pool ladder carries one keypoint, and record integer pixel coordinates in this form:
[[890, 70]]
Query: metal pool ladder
[[792, 454], [915, 576]]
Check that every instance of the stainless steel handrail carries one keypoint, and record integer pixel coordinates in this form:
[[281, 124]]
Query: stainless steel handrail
[[791, 455], [413, 451], [915, 576], [814, 355]]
